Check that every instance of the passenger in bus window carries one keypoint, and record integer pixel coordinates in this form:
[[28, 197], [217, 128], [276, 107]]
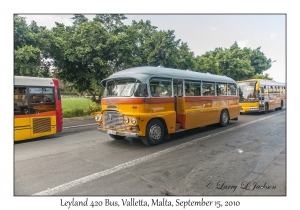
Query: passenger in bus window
[[158, 91], [188, 91], [197, 92]]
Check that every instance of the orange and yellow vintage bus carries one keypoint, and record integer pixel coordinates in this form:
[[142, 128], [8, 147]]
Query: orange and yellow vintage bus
[[257, 95], [154, 102], [37, 107]]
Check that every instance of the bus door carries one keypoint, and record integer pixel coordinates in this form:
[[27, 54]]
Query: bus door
[[209, 103], [193, 104], [179, 104], [261, 98]]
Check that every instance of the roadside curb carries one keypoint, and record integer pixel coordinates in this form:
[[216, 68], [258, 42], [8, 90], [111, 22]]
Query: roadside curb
[[77, 118]]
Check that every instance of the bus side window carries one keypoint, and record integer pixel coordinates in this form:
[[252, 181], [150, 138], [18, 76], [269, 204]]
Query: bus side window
[[208, 89], [232, 89], [20, 100], [152, 89], [197, 91], [158, 91]]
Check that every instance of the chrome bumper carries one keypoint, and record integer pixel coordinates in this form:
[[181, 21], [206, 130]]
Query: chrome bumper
[[118, 133]]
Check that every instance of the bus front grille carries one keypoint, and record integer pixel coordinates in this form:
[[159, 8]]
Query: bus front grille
[[41, 125], [112, 120]]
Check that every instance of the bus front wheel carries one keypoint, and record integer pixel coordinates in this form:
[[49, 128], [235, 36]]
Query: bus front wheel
[[224, 118], [155, 132]]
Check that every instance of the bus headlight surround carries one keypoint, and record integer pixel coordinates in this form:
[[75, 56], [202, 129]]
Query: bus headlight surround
[[133, 121], [126, 120], [98, 117]]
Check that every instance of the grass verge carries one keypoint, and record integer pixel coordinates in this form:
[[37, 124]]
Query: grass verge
[[79, 107]]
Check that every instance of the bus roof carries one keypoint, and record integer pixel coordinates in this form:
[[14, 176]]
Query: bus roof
[[33, 81], [264, 82], [146, 72]]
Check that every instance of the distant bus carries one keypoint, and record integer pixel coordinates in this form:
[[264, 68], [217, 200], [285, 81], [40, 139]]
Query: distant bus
[[152, 102], [258, 95], [37, 107]]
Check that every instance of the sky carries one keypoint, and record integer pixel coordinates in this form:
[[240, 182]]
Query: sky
[[204, 33]]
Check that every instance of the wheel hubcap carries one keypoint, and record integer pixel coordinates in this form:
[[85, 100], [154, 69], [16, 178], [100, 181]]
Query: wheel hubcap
[[225, 118], [155, 132]]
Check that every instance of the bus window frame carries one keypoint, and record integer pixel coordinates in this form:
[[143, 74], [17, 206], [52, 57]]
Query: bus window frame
[[160, 79], [217, 88], [229, 88], [193, 90], [213, 85]]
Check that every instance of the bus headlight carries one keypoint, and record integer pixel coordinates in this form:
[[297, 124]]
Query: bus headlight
[[133, 121], [126, 120], [98, 117]]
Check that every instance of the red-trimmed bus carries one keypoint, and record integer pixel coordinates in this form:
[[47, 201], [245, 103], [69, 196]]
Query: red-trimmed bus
[[37, 107]]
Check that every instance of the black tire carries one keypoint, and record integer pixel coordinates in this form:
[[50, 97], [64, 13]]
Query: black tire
[[224, 118], [280, 108], [116, 137], [155, 132], [266, 108]]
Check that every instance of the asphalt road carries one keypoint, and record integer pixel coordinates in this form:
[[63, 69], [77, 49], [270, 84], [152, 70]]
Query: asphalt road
[[248, 157]]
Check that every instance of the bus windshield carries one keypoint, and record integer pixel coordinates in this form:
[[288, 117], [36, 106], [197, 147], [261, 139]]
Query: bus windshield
[[247, 91], [122, 87]]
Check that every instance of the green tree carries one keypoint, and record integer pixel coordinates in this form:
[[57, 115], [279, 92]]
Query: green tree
[[80, 55], [88, 52], [139, 35], [185, 59], [79, 19], [207, 63], [162, 49], [30, 43], [111, 22], [259, 61], [237, 63], [234, 63], [262, 76]]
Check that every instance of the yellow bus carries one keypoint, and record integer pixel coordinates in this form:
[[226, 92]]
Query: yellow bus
[[257, 95], [153, 102], [37, 107]]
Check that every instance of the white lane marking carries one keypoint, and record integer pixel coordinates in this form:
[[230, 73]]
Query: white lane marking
[[76, 126], [106, 172]]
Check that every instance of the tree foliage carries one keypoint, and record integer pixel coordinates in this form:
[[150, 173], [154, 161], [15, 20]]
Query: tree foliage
[[237, 63], [30, 43], [88, 51], [262, 76]]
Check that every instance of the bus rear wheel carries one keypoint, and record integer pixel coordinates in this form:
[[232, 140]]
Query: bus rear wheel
[[281, 105], [224, 118], [116, 137], [155, 132], [266, 108]]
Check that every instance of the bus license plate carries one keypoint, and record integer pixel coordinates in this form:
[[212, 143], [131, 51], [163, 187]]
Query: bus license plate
[[111, 132]]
